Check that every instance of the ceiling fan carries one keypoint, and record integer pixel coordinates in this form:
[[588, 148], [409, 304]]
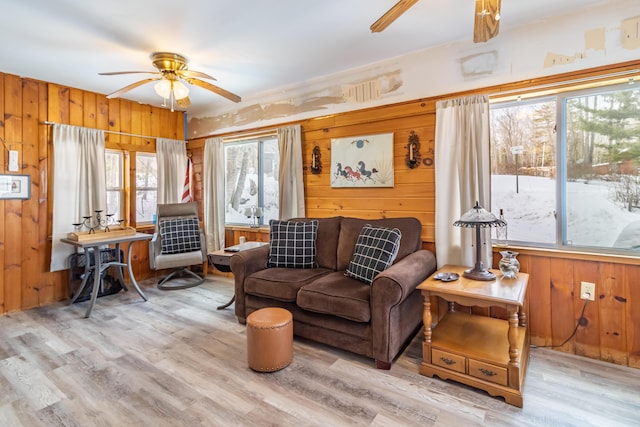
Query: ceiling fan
[[486, 18], [172, 72]]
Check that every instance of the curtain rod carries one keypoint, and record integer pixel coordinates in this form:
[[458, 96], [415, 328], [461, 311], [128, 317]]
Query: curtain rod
[[111, 131]]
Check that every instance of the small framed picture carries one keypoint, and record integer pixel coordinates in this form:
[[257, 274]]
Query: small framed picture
[[15, 186]]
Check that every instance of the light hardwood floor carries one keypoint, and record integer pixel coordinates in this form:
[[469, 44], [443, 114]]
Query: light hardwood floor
[[176, 361]]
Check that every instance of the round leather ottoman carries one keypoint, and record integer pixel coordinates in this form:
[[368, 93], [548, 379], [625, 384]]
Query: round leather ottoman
[[269, 339]]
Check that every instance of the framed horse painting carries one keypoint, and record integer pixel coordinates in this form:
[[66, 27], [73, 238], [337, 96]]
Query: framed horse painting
[[362, 161]]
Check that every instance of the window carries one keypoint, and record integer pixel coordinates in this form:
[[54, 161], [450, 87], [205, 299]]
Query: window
[[564, 169], [251, 179], [146, 187], [114, 166]]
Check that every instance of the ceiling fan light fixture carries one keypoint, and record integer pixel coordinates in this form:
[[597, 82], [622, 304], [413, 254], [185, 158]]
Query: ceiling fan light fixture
[[180, 91], [163, 88]]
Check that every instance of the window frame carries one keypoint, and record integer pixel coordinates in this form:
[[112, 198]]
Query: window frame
[[134, 190], [122, 188], [561, 98], [260, 141]]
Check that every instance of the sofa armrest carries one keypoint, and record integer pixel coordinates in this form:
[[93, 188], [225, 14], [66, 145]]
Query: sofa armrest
[[396, 283], [243, 264], [396, 306]]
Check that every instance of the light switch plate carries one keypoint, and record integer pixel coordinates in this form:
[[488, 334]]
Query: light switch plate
[[13, 161]]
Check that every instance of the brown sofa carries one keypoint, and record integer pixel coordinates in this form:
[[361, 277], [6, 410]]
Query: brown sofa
[[373, 320]]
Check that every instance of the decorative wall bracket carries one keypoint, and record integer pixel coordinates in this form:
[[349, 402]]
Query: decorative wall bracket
[[316, 163], [413, 151]]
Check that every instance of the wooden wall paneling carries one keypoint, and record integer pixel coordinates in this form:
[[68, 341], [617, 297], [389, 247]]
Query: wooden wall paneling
[[610, 291], [30, 218], [632, 285], [539, 286], [114, 122], [13, 208], [89, 110], [562, 318], [145, 124], [587, 340], [25, 230], [102, 113], [3, 161], [155, 122], [76, 107], [136, 125], [125, 124], [48, 291]]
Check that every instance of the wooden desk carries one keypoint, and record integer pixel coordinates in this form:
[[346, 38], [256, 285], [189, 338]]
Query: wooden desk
[[483, 352], [94, 245]]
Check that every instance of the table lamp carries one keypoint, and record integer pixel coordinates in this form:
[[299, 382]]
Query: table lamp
[[478, 218]]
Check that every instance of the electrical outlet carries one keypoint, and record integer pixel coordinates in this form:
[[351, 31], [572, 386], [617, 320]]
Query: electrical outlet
[[588, 291]]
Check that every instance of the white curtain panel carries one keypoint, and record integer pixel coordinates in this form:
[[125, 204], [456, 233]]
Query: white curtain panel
[[79, 184], [172, 168], [213, 187], [462, 177], [291, 190]]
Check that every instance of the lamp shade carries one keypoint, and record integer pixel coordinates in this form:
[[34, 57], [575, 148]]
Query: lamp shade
[[180, 91], [163, 88], [479, 217]]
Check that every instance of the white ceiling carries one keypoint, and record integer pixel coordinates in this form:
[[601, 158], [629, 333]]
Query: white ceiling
[[250, 46]]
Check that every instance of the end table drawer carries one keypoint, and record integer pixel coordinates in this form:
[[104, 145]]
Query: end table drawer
[[448, 360], [488, 372]]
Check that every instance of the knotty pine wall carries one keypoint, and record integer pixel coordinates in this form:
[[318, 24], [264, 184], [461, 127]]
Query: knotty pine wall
[[611, 324], [25, 230]]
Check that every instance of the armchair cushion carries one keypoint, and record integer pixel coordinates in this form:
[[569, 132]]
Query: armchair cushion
[[375, 250], [293, 244], [179, 235]]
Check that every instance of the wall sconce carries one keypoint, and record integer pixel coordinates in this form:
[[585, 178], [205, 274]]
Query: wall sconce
[[413, 151], [254, 213], [316, 164]]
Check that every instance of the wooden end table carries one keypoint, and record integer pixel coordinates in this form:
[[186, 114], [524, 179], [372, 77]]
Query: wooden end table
[[221, 259], [480, 351]]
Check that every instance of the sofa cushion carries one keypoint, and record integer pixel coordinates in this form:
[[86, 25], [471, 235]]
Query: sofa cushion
[[179, 235], [375, 250], [337, 295], [326, 240], [350, 228], [293, 244], [281, 284]]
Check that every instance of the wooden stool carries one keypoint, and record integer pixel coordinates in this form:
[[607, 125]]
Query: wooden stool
[[269, 339]]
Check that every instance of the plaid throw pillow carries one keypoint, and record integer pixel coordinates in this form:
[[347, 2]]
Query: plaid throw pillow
[[179, 235], [293, 244], [375, 250]]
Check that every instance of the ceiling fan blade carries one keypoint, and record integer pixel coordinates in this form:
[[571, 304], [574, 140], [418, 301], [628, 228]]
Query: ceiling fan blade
[[215, 89], [486, 26], [184, 102], [392, 14], [119, 92], [188, 73], [115, 73]]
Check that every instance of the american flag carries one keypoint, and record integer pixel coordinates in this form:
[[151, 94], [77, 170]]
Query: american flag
[[186, 192]]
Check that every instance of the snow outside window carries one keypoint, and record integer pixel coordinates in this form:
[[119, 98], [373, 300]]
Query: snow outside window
[[565, 169], [251, 179]]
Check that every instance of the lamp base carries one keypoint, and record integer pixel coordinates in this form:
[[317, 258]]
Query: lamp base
[[479, 274]]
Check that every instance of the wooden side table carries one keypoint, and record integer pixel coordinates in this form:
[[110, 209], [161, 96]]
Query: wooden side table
[[221, 259], [483, 352]]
